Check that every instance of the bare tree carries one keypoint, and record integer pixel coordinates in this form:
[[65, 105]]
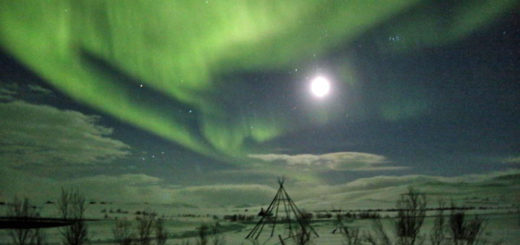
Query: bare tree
[[410, 217], [161, 235], [144, 228], [72, 206], [22, 210], [411, 208], [122, 232]]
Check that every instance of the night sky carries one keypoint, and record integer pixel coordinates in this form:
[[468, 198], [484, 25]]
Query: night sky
[[171, 97]]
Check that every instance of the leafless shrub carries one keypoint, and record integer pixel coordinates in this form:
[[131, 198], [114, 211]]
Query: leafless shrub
[[457, 229], [410, 217], [379, 232], [411, 208], [209, 234], [518, 213], [464, 231], [203, 231], [437, 235], [71, 205], [161, 235], [39, 237], [351, 235], [145, 224], [369, 238], [122, 232], [217, 239], [22, 209]]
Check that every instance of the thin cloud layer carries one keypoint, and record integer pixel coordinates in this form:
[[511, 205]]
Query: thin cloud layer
[[226, 195], [338, 161], [6, 94], [39, 89], [136, 188], [512, 160], [42, 134], [133, 188]]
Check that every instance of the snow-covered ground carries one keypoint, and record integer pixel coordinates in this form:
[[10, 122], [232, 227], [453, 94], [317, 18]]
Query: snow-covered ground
[[494, 199], [499, 227]]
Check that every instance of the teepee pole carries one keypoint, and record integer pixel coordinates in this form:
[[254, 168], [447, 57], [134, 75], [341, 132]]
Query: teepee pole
[[299, 214], [275, 215], [288, 217], [272, 212], [260, 224]]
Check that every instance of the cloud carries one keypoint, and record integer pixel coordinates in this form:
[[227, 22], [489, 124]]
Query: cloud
[[28, 92], [45, 135], [120, 188], [124, 188], [6, 94], [383, 191], [40, 89], [226, 195], [338, 161], [512, 160], [378, 182], [133, 188]]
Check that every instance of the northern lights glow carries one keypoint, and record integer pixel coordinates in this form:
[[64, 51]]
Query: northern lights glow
[[184, 52]]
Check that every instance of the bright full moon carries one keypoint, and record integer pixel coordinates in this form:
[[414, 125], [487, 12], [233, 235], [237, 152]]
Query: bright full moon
[[320, 86]]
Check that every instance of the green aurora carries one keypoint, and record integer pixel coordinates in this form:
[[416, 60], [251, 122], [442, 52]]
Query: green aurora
[[100, 52]]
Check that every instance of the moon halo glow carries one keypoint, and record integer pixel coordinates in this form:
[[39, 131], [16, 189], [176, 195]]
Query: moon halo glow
[[320, 86]]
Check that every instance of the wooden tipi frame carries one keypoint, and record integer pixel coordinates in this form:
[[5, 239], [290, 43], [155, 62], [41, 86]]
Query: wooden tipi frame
[[270, 215]]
